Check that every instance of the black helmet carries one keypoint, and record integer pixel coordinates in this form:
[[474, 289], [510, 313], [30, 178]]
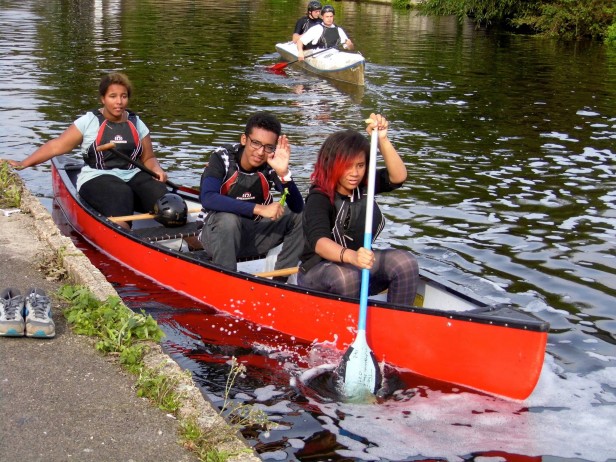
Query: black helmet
[[328, 9], [312, 6], [171, 210]]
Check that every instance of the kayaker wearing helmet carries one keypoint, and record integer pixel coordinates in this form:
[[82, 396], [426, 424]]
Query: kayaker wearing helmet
[[312, 18], [107, 182], [324, 35]]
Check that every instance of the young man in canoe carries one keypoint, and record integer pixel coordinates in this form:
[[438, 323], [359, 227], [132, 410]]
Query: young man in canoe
[[335, 215], [324, 35], [312, 18], [107, 182], [241, 218]]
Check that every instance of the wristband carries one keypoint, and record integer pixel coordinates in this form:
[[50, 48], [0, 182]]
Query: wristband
[[286, 178]]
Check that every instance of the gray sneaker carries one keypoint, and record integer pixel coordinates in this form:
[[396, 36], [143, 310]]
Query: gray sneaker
[[38, 315], [11, 313]]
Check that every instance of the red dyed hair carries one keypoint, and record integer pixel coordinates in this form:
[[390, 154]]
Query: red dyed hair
[[338, 151]]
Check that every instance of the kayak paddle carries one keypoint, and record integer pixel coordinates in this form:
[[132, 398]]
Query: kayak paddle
[[281, 65], [111, 147], [359, 367]]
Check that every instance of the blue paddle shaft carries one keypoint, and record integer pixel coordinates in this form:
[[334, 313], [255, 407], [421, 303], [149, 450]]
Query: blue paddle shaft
[[365, 273]]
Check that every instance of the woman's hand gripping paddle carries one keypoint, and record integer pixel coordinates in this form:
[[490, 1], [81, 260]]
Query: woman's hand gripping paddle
[[359, 368]]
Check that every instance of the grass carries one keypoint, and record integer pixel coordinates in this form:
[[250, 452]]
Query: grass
[[120, 332], [10, 187]]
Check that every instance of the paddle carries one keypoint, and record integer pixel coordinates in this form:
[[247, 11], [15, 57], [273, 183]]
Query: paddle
[[280, 66], [144, 216], [111, 147], [359, 368]]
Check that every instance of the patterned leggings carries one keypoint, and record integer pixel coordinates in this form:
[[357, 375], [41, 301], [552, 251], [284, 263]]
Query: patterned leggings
[[393, 269]]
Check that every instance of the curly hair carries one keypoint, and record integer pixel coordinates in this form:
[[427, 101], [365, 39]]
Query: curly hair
[[115, 78]]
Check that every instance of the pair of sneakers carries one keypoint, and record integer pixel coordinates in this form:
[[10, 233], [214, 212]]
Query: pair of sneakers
[[29, 315]]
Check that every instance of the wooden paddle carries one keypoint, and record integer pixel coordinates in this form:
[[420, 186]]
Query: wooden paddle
[[111, 147], [144, 216], [279, 272], [280, 66], [359, 367]]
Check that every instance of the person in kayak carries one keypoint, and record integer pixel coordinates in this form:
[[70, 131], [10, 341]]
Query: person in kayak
[[107, 182], [334, 220], [240, 217], [312, 18], [324, 35]]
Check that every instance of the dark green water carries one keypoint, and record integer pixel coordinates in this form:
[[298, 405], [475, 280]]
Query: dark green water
[[510, 143]]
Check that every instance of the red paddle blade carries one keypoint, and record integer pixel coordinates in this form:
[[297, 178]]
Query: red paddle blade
[[278, 66]]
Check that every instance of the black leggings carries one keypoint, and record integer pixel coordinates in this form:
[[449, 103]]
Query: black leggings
[[393, 269], [114, 197]]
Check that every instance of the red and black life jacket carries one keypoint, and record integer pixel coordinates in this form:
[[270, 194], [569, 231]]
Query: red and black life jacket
[[252, 187], [123, 134]]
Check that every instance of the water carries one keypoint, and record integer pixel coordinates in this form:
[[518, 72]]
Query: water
[[509, 142]]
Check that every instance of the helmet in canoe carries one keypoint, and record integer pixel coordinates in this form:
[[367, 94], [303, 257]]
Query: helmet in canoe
[[171, 210], [313, 6], [328, 9]]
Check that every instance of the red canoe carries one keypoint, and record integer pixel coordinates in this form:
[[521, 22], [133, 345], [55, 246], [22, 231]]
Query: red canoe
[[453, 337]]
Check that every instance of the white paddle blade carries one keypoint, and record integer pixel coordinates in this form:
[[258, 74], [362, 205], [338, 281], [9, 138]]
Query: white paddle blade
[[362, 375]]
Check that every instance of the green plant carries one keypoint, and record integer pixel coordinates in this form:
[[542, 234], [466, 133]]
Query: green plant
[[10, 188], [118, 329], [610, 35], [160, 388], [239, 414]]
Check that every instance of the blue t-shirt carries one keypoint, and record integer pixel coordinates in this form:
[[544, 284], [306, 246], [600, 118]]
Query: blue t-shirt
[[88, 125]]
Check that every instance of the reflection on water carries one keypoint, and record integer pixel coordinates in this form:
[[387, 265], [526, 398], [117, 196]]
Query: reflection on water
[[509, 142]]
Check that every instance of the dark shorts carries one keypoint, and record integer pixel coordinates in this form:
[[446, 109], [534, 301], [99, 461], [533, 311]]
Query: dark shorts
[[114, 197]]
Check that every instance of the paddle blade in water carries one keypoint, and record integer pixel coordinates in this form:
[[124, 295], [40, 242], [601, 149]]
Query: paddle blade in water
[[278, 66], [359, 369]]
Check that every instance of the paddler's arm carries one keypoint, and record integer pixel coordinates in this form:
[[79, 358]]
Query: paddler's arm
[[66, 142], [393, 162]]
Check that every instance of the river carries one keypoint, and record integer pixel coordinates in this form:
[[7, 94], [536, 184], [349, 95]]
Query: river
[[510, 146]]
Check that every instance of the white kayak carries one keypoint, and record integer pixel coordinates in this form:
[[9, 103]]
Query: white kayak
[[332, 64]]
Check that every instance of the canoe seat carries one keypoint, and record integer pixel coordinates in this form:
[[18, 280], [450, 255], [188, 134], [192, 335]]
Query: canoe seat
[[188, 233], [160, 233]]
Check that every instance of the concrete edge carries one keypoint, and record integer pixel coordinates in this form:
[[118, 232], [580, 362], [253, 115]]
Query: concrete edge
[[82, 272]]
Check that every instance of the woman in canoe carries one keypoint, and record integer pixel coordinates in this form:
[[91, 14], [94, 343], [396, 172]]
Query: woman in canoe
[[334, 220], [110, 184]]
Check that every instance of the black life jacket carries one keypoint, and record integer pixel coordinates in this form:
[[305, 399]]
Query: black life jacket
[[123, 134], [253, 187], [349, 217], [330, 38]]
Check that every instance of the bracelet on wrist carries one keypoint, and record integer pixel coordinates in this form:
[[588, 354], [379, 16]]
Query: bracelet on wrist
[[342, 254]]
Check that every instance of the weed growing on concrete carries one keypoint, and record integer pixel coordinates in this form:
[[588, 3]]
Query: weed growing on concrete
[[51, 265], [119, 331], [10, 189], [159, 388]]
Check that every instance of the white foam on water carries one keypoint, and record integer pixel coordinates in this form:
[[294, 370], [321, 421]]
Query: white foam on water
[[567, 415]]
